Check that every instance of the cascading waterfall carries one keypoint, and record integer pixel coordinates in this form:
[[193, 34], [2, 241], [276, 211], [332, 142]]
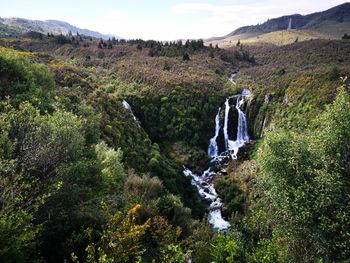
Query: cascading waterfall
[[213, 146], [204, 182], [128, 107], [242, 131], [227, 111]]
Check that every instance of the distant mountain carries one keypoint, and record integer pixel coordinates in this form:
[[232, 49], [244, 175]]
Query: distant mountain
[[330, 24], [17, 26], [334, 21]]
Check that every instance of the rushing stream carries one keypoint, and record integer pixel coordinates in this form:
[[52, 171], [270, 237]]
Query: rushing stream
[[204, 182]]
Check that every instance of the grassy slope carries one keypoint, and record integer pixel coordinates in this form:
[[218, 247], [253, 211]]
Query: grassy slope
[[279, 38]]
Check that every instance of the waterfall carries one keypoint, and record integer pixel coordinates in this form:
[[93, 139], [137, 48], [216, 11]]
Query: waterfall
[[213, 146], [128, 107], [232, 78], [227, 111], [204, 182], [242, 131]]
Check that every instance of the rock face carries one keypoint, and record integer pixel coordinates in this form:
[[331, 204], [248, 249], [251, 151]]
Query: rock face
[[257, 115], [243, 153]]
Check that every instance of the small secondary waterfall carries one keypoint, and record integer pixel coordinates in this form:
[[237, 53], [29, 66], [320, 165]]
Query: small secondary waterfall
[[128, 107], [232, 78], [204, 182], [213, 146]]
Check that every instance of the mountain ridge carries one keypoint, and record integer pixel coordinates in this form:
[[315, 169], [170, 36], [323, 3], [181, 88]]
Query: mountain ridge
[[333, 22], [339, 14], [13, 26]]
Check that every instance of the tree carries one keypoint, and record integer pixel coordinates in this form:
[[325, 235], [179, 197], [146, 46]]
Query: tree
[[139, 47], [302, 184], [33, 147], [211, 54], [185, 57], [346, 36], [224, 248], [25, 81], [112, 168], [121, 240]]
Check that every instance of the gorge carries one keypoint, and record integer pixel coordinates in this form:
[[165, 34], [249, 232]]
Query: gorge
[[205, 182]]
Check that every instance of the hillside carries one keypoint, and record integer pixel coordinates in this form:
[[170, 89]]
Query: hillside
[[148, 151], [329, 24], [278, 38], [335, 17], [17, 26]]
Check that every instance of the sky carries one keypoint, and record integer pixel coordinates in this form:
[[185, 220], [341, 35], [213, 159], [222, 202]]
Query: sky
[[161, 20]]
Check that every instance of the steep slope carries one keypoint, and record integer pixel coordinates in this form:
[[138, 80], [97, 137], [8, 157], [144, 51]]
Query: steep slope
[[329, 24], [16, 26], [315, 21]]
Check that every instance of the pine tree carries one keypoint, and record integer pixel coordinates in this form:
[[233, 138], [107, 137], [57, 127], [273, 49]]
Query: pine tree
[[185, 57]]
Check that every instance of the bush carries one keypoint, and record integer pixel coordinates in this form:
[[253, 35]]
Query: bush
[[23, 80], [185, 57]]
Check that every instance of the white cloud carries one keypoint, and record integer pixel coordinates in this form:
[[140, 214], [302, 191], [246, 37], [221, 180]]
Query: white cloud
[[190, 8], [226, 16], [192, 19], [109, 22]]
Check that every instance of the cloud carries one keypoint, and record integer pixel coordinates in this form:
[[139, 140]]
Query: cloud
[[107, 22], [225, 16], [190, 8]]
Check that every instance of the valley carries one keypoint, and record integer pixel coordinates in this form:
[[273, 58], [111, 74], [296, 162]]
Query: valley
[[230, 149]]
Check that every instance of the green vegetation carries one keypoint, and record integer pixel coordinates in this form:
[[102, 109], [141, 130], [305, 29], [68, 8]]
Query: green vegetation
[[82, 181], [24, 82], [304, 206]]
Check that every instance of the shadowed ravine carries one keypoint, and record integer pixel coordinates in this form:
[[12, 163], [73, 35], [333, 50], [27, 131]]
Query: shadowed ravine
[[219, 159]]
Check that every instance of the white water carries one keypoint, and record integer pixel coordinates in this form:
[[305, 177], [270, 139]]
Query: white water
[[213, 146], [204, 182], [242, 129], [227, 111], [232, 78], [207, 192], [128, 107]]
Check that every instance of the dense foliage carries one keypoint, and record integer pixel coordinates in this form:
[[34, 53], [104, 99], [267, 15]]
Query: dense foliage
[[298, 209], [82, 181]]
